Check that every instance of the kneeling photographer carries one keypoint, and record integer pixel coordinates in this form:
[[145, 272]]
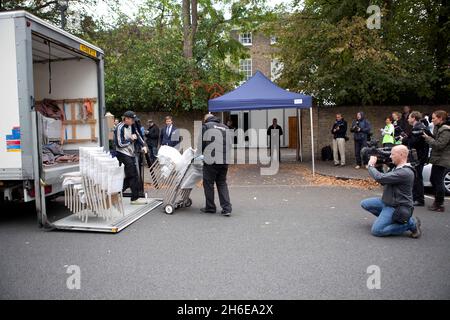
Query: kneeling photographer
[[394, 210], [415, 140]]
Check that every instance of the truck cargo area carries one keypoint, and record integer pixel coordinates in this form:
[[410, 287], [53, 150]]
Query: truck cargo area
[[69, 80]]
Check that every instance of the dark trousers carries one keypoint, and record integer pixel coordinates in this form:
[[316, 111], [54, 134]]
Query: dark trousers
[[275, 147], [437, 181], [131, 175], [152, 150], [359, 144], [418, 192], [216, 173]]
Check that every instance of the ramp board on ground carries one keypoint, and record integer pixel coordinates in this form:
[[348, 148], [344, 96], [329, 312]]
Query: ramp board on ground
[[98, 224]]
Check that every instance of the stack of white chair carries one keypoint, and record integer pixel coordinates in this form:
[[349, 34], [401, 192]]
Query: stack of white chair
[[97, 187]]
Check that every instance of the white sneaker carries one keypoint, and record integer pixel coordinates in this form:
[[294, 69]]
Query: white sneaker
[[139, 202], [357, 167]]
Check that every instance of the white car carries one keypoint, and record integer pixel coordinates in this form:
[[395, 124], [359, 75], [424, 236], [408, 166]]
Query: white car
[[426, 178]]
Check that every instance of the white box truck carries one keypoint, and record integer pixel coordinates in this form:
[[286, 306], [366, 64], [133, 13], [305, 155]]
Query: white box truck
[[39, 61]]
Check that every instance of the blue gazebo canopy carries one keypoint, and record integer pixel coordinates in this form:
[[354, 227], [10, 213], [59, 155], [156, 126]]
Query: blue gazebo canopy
[[259, 93]]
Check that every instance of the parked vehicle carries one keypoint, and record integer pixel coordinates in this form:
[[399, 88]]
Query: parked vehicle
[[426, 178]]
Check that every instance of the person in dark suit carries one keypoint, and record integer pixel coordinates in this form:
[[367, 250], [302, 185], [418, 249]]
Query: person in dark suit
[[275, 131], [169, 135]]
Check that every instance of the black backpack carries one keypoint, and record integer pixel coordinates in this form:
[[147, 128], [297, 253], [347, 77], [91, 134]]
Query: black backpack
[[327, 153]]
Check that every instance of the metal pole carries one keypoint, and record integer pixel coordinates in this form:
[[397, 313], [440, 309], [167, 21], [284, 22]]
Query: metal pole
[[63, 18], [312, 141], [301, 136], [63, 9], [297, 152]]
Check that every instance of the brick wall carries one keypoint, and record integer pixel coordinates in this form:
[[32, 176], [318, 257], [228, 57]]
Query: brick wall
[[324, 118], [184, 120], [261, 52]]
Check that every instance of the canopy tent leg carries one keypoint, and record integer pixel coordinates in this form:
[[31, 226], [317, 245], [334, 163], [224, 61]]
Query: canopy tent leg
[[312, 141], [299, 134], [297, 151], [301, 137]]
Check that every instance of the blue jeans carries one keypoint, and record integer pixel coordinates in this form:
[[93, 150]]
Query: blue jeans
[[383, 225]]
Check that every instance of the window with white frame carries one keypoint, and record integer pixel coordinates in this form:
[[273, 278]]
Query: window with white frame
[[273, 39], [275, 69], [245, 67], [245, 38]]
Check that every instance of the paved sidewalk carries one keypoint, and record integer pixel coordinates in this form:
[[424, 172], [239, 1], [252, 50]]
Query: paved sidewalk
[[327, 168], [288, 173]]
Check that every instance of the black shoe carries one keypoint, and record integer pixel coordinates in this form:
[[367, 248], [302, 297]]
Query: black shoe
[[207, 211], [418, 204], [418, 232], [436, 207], [226, 213]]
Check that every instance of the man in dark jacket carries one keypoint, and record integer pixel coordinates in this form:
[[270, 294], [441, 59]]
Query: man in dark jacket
[[397, 193], [169, 135], [152, 139], [416, 141], [361, 129], [404, 124], [339, 132], [275, 131], [216, 145]]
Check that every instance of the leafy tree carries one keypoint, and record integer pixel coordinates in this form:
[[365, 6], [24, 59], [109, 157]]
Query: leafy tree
[[152, 63], [173, 55], [328, 51], [48, 9]]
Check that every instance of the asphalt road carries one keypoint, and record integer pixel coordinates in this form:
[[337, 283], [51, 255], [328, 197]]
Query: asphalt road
[[282, 242]]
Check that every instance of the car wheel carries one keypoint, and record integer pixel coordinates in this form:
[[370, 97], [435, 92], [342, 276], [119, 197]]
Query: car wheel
[[447, 182]]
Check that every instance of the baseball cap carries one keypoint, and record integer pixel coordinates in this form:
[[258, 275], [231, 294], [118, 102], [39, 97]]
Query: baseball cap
[[129, 114]]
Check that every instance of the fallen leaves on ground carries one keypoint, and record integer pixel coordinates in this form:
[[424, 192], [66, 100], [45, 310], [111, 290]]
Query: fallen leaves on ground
[[293, 174], [323, 180]]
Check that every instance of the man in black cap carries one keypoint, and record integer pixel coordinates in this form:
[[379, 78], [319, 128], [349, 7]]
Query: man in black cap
[[127, 138], [216, 143]]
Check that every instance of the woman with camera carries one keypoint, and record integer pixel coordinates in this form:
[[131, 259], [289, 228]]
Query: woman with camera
[[440, 157]]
